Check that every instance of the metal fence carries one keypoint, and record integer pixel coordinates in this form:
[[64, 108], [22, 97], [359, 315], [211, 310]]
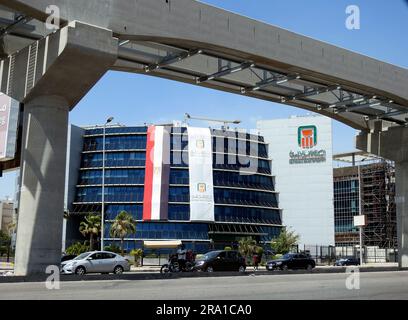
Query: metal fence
[[157, 260], [327, 255]]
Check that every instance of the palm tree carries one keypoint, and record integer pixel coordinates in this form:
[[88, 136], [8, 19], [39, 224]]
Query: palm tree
[[246, 246], [123, 225], [92, 227], [285, 242]]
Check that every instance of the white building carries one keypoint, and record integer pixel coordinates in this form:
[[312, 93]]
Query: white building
[[6, 215], [301, 152]]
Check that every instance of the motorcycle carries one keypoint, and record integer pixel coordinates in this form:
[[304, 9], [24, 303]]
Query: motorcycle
[[175, 265]]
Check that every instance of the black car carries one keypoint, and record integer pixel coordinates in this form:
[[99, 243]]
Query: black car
[[221, 261], [292, 261], [347, 262]]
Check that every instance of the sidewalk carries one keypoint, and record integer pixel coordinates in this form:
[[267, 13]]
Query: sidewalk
[[6, 269], [154, 269]]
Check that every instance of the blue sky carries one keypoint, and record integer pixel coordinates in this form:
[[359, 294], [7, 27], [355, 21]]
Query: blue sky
[[136, 99]]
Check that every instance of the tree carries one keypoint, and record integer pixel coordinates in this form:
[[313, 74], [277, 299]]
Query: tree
[[5, 243], [11, 227], [286, 240], [4, 237], [123, 225], [91, 227], [246, 246]]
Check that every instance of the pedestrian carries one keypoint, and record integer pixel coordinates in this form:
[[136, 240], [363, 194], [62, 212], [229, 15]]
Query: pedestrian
[[255, 259]]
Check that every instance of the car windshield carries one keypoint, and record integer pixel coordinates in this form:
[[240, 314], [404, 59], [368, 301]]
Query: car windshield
[[211, 255], [82, 256], [287, 256]]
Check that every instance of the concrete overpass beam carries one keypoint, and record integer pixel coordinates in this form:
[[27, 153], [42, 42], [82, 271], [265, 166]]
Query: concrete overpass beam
[[392, 144], [68, 64]]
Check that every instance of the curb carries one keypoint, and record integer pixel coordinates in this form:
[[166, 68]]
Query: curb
[[158, 276]]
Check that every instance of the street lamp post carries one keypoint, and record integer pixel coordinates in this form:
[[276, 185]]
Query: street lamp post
[[361, 214], [109, 120]]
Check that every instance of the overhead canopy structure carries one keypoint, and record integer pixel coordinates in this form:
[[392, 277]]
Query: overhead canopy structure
[[355, 157], [192, 42], [162, 244]]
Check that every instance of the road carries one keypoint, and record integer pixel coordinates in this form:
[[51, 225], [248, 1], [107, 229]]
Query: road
[[373, 285]]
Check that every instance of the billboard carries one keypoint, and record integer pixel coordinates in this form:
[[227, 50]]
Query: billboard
[[301, 152], [9, 113], [200, 159]]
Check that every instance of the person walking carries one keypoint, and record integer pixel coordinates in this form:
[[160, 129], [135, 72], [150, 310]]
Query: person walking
[[255, 259]]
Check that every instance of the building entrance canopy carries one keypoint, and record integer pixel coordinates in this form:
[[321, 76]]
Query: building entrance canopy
[[162, 244]]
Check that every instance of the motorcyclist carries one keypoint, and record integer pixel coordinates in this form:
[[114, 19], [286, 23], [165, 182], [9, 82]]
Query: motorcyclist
[[182, 257]]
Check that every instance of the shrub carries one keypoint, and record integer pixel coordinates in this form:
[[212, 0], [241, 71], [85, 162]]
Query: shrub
[[113, 248], [77, 248], [259, 251], [137, 254], [277, 256]]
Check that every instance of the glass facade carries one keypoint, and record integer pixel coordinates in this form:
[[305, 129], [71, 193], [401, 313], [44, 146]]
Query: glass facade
[[243, 187]]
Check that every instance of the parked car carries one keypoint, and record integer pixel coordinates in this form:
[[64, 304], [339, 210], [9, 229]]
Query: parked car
[[221, 261], [96, 262], [347, 262], [292, 261], [68, 257]]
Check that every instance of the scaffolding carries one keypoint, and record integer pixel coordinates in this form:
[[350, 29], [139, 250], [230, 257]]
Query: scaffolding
[[374, 178], [378, 204]]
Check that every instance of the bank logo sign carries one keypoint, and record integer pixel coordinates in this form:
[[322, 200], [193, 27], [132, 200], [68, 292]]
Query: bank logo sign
[[202, 187], [307, 137], [307, 141], [200, 144]]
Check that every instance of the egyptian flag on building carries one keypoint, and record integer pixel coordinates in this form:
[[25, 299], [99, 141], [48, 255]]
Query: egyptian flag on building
[[157, 174]]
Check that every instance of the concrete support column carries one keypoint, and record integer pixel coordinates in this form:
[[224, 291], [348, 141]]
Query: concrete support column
[[392, 143], [401, 173], [41, 205]]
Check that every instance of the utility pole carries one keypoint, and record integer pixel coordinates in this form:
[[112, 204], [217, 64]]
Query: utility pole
[[360, 213], [225, 122], [109, 120]]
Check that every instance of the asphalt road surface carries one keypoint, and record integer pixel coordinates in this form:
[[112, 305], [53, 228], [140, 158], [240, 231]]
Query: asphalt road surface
[[373, 285]]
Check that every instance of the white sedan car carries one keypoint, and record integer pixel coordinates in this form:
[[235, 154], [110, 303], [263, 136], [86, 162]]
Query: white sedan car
[[96, 262]]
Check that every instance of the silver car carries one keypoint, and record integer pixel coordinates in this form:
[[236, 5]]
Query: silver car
[[96, 262]]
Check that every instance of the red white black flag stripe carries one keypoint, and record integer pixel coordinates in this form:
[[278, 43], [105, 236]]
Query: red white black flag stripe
[[157, 174]]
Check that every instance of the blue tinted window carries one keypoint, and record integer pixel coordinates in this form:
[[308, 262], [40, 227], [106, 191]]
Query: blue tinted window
[[179, 176], [112, 194], [116, 130], [167, 230], [114, 159], [247, 214], [179, 212], [235, 179], [112, 176], [179, 194], [115, 143], [245, 197]]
